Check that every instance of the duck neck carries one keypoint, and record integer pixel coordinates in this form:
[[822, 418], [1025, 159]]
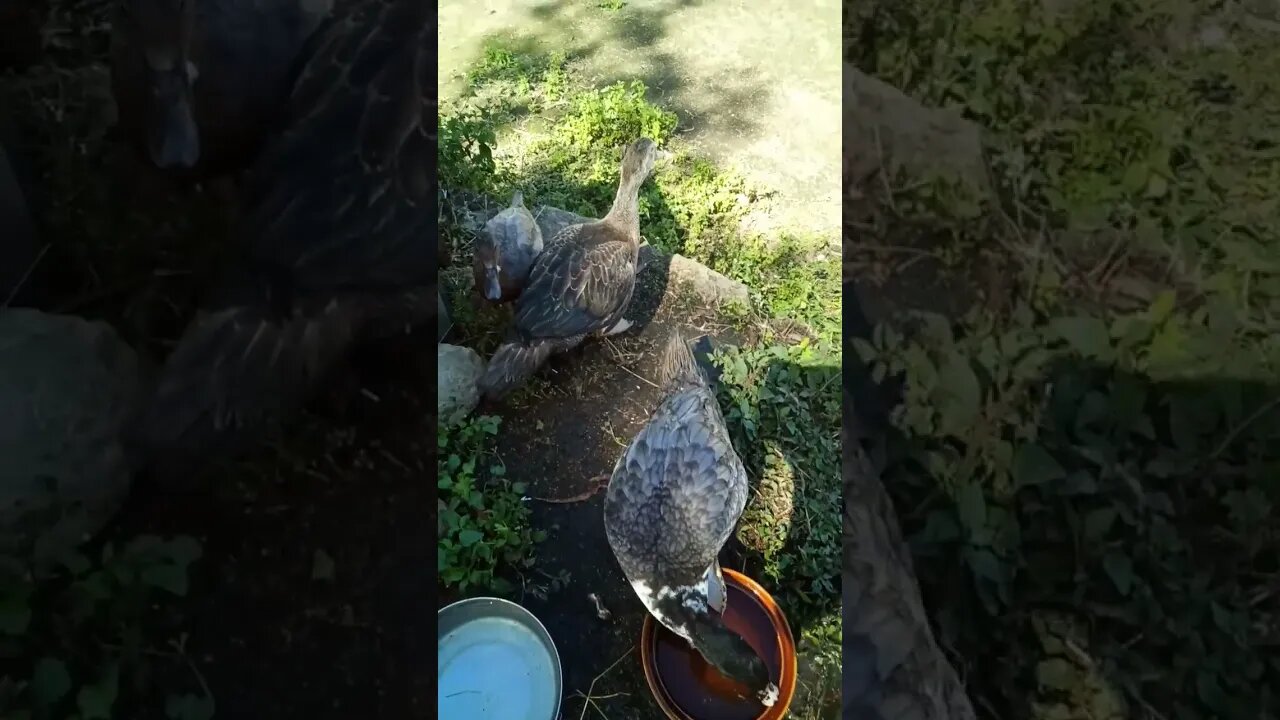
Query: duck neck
[[625, 213]]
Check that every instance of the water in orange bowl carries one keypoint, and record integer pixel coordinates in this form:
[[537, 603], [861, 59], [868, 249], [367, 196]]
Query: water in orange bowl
[[695, 686]]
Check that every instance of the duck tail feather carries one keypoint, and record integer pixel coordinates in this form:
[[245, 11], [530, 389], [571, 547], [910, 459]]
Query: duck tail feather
[[683, 362], [235, 374], [678, 364], [511, 365]]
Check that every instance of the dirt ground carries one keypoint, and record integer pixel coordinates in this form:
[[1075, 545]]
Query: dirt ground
[[756, 83], [273, 640]]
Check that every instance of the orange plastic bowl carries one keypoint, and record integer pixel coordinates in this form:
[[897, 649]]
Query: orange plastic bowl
[[686, 687]]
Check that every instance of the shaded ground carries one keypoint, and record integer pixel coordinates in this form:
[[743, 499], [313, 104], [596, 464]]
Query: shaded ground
[[271, 632], [754, 92]]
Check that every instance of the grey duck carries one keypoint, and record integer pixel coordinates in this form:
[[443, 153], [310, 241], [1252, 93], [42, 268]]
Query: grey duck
[[505, 253], [580, 285], [337, 234], [672, 502], [201, 83]]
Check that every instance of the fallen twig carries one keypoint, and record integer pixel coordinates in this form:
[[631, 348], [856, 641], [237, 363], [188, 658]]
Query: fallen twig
[[25, 276], [589, 698], [601, 482]]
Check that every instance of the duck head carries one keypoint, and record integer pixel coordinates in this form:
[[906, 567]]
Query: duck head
[[164, 31], [488, 266], [492, 283], [733, 657], [639, 160], [688, 611]]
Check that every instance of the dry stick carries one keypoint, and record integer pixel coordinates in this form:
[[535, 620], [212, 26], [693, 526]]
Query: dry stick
[[25, 276], [1235, 432], [588, 701], [601, 482], [634, 375], [182, 652], [884, 172]]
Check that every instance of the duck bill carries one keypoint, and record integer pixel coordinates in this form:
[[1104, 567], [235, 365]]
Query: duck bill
[[173, 140], [492, 288]]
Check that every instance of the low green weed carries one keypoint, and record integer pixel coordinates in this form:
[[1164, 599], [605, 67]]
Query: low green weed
[[49, 669], [483, 523]]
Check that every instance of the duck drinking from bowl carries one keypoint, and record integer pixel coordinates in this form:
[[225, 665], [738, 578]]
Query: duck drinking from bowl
[[673, 500]]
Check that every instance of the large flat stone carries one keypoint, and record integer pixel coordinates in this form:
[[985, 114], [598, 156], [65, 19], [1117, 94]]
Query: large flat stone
[[885, 129]]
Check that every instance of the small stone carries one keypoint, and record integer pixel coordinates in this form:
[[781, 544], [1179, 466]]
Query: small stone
[[458, 371], [68, 387], [601, 611]]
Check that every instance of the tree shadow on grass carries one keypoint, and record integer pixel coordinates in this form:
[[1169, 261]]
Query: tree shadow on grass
[[624, 40]]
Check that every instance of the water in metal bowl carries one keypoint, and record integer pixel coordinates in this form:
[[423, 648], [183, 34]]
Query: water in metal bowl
[[496, 662]]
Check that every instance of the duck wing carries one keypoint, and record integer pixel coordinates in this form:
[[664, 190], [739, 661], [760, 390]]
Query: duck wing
[[676, 494], [576, 288]]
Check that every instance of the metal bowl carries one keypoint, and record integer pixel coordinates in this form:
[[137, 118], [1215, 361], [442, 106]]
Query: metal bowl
[[680, 687], [495, 662]]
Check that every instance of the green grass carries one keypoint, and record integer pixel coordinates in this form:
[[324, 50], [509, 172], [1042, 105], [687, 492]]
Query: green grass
[[483, 525], [73, 635], [527, 122], [1086, 457], [782, 405]]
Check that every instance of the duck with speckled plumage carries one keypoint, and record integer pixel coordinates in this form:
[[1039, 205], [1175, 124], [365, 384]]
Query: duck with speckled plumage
[[672, 502]]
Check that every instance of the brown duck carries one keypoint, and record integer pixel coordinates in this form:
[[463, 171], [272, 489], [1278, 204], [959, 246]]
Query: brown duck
[[580, 285], [201, 83], [337, 236]]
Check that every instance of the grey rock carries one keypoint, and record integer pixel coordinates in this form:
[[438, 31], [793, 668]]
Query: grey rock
[[552, 220], [68, 387], [885, 128], [456, 374], [711, 287]]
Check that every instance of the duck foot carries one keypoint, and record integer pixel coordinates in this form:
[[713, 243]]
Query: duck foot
[[601, 611]]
